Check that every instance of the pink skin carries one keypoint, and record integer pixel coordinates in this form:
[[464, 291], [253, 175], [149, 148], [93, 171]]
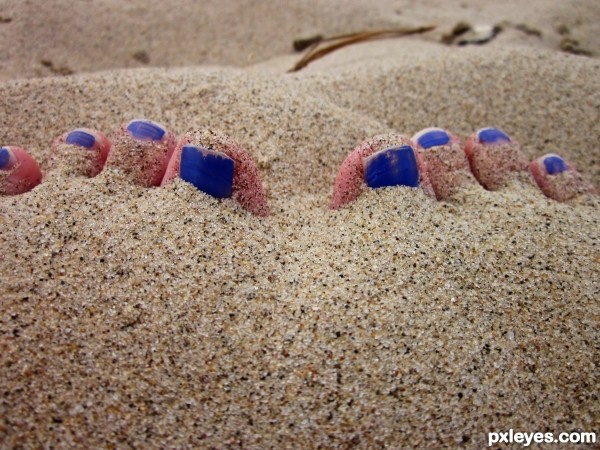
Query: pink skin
[[562, 186], [21, 175], [447, 167], [247, 184], [144, 160], [495, 164], [350, 180], [94, 158]]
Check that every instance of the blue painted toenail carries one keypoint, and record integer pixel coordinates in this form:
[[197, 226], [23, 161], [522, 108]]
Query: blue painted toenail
[[81, 138], [146, 130], [4, 157], [554, 164], [491, 135], [207, 170], [433, 138], [392, 167]]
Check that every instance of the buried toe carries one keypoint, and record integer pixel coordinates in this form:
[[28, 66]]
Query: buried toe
[[19, 172], [385, 160], [445, 160], [81, 151], [495, 158], [558, 179], [216, 164], [207, 170], [142, 149]]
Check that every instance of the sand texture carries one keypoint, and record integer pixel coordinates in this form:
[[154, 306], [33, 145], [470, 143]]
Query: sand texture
[[135, 317]]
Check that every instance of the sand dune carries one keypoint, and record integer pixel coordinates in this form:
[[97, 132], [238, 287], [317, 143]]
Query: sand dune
[[164, 318]]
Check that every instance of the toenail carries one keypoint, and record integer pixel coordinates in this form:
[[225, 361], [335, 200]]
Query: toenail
[[146, 130], [554, 164], [81, 138], [432, 137], [491, 135], [207, 170], [392, 167], [7, 159]]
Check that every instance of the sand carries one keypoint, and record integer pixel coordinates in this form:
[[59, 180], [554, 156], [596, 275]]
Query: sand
[[135, 317]]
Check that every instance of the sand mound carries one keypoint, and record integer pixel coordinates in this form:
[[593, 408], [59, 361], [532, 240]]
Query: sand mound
[[161, 317]]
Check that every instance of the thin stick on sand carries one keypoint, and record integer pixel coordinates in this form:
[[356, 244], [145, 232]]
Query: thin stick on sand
[[340, 41]]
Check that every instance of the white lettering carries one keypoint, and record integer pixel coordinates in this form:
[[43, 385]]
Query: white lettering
[[492, 438]]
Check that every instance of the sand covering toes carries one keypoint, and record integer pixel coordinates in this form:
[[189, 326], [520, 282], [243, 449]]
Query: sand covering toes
[[247, 184], [137, 317]]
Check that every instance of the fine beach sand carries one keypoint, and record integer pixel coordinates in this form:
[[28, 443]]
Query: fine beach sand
[[163, 318]]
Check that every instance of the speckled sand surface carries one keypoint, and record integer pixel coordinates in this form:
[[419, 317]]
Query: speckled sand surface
[[162, 318]]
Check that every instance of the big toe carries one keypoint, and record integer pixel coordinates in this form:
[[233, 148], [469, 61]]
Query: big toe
[[216, 164], [382, 161]]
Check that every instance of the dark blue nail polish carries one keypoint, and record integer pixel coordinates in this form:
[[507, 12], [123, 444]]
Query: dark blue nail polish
[[4, 158], [146, 130], [392, 167], [433, 138], [207, 170], [81, 138], [554, 164], [491, 135]]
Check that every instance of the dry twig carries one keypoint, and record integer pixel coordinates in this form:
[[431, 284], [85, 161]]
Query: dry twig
[[337, 42]]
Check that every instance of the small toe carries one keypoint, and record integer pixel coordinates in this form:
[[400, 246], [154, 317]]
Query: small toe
[[558, 179], [433, 137], [496, 159], [142, 149], [81, 137], [445, 160], [19, 172], [492, 135], [81, 151]]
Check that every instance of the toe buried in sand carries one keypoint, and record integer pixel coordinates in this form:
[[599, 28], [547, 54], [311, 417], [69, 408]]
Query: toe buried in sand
[[496, 159], [396, 166], [445, 160], [386, 160], [81, 151], [142, 149], [216, 164], [558, 179], [208, 170], [19, 172]]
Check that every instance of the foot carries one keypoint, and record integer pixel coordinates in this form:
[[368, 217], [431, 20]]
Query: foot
[[142, 149], [445, 160], [496, 159], [558, 179], [80, 152], [438, 164], [386, 160], [19, 172], [219, 166]]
